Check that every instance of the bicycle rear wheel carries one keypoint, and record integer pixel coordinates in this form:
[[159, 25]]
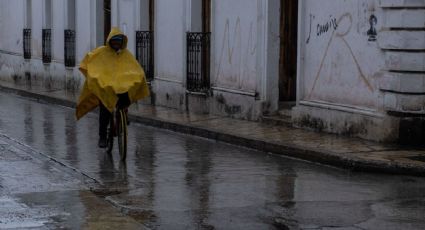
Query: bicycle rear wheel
[[122, 134]]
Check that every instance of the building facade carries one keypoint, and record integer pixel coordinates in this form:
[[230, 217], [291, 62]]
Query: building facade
[[353, 67]]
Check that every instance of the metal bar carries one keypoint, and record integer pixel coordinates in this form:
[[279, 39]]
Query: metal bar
[[198, 58], [144, 52], [69, 48], [47, 45], [27, 43]]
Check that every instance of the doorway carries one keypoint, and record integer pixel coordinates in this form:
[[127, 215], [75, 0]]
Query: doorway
[[106, 19], [151, 14], [206, 16], [288, 51]]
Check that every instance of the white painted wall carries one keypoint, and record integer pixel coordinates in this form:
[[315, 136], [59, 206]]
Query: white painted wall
[[11, 35], [127, 21], [341, 66], [58, 27], [235, 44], [84, 30], [170, 43]]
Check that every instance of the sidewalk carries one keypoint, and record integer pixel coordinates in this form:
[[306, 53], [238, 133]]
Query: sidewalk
[[343, 152]]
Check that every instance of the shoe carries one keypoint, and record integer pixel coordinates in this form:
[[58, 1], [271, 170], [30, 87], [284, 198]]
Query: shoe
[[102, 143]]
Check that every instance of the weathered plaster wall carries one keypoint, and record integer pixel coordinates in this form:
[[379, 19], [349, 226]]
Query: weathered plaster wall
[[14, 68], [235, 44], [243, 69], [341, 66], [170, 52], [362, 68], [11, 30]]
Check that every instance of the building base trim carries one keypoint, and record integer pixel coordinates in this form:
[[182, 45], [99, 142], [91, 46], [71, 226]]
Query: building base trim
[[343, 108]]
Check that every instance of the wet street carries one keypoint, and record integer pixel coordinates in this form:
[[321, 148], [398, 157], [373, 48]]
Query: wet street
[[52, 175]]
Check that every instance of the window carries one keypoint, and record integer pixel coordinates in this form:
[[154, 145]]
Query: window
[[145, 38], [47, 32], [70, 35], [27, 43], [198, 49], [47, 45], [69, 48], [144, 52], [26, 33], [198, 61]]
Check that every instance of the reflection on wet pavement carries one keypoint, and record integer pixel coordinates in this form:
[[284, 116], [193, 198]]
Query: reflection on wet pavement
[[36, 193], [174, 181]]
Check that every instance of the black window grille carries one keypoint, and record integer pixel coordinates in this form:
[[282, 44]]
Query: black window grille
[[47, 45], [27, 43], [69, 48], [198, 61], [144, 52]]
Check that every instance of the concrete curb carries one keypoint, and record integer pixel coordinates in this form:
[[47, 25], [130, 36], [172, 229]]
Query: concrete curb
[[298, 152]]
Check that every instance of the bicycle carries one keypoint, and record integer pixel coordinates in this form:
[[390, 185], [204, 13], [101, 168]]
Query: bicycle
[[118, 128]]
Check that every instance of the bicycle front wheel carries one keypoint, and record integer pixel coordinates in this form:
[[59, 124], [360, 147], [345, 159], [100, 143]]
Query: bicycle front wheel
[[122, 134]]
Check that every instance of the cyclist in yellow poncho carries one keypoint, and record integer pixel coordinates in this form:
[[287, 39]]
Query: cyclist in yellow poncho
[[113, 77]]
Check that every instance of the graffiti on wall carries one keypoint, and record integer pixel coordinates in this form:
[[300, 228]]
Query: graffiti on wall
[[327, 26], [371, 33], [341, 34], [332, 25], [233, 53], [322, 28]]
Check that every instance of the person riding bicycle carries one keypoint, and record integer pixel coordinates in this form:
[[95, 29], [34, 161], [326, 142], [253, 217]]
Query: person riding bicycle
[[113, 77]]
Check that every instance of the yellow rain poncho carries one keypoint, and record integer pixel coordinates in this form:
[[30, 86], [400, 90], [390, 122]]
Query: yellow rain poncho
[[109, 73]]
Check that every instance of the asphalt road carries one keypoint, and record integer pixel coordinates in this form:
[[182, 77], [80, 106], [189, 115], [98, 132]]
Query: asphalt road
[[49, 163]]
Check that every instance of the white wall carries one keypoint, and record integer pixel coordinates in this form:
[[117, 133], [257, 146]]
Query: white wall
[[58, 27], [127, 21], [85, 32], [37, 26], [269, 83], [170, 42], [11, 36], [235, 44], [341, 66]]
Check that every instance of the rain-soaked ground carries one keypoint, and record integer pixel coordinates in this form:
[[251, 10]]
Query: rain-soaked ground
[[174, 181]]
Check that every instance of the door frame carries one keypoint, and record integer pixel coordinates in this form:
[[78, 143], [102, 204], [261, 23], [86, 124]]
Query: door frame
[[288, 62]]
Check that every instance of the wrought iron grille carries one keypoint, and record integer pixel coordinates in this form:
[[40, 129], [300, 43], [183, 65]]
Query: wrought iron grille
[[144, 52], [198, 61], [69, 48], [47, 45], [27, 43]]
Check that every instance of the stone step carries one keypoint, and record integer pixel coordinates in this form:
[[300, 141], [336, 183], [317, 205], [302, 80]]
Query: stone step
[[277, 120], [285, 112]]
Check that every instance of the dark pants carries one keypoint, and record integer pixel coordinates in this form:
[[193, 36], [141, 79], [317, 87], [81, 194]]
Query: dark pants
[[105, 115]]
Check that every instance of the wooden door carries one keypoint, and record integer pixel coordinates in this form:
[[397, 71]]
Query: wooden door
[[106, 18], [288, 50], [206, 16], [151, 14]]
